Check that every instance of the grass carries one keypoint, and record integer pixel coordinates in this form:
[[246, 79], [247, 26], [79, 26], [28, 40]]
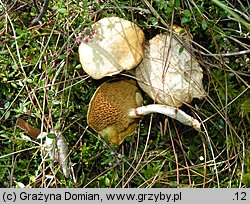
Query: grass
[[43, 83]]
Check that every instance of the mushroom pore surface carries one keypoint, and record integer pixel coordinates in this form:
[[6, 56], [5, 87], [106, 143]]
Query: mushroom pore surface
[[109, 107]]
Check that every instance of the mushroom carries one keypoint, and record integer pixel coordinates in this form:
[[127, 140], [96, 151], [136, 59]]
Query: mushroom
[[116, 106], [168, 73], [110, 46], [109, 109]]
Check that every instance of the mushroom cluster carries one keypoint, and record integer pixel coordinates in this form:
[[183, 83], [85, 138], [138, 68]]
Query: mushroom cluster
[[116, 105], [168, 76]]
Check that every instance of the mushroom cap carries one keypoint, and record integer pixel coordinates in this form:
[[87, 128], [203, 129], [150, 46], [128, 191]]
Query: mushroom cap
[[167, 75], [111, 46], [109, 108]]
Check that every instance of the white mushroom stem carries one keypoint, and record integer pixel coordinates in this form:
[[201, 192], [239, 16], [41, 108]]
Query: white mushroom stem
[[172, 112]]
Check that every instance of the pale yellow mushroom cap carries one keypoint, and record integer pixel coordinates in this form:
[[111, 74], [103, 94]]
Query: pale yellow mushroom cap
[[110, 46], [109, 108], [167, 75]]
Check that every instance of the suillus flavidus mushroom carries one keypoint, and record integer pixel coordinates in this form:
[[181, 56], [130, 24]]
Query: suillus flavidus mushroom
[[109, 108], [169, 76], [110, 46], [116, 106]]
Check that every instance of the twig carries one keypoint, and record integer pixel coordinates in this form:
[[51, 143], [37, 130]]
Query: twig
[[147, 11], [243, 52], [42, 13], [36, 7]]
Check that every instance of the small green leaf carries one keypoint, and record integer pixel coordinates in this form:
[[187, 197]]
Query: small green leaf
[[181, 49], [154, 21], [50, 92], [78, 66], [32, 178], [204, 24], [177, 3], [20, 83], [184, 20], [4, 135], [56, 102], [171, 3], [62, 10], [13, 84], [7, 115], [62, 57], [51, 135], [19, 184], [6, 105], [27, 80], [107, 181], [57, 126], [168, 10], [25, 137], [4, 52], [218, 37], [187, 13]]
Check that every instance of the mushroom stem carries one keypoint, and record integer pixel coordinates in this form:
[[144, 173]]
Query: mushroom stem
[[172, 112]]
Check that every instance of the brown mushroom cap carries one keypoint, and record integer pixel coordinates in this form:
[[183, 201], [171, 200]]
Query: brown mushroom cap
[[111, 46], [109, 108]]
